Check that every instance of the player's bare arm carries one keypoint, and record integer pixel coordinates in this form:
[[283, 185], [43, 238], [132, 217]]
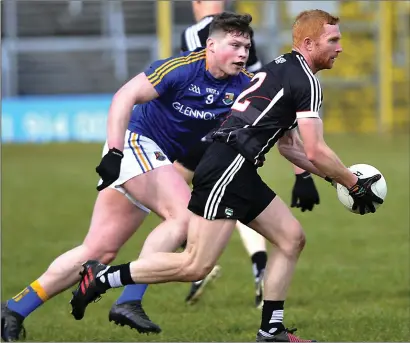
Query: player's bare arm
[[320, 155], [136, 91], [291, 147]]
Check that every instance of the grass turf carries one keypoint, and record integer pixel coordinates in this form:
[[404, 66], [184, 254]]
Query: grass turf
[[352, 282]]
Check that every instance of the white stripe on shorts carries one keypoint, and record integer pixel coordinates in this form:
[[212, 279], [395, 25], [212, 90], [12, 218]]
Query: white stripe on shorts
[[217, 192]]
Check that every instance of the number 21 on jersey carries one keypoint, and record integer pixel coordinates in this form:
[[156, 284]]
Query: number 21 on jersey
[[240, 104]]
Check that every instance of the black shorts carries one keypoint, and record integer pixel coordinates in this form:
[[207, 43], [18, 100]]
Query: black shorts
[[194, 155], [226, 186]]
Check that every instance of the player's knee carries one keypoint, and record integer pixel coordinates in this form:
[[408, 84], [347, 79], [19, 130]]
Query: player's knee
[[197, 272], [108, 257], [177, 213], [180, 224], [178, 208], [295, 239], [195, 269], [100, 253]]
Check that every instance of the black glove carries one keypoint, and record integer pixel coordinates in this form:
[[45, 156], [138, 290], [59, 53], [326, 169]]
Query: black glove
[[109, 168], [333, 183], [304, 193], [363, 195]]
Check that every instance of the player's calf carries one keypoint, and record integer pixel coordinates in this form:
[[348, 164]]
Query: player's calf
[[294, 241]]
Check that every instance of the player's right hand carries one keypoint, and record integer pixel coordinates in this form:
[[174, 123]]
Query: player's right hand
[[109, 168], [363, 195]]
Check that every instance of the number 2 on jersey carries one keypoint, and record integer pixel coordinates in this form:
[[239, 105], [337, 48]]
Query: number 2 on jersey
[[240, 105]]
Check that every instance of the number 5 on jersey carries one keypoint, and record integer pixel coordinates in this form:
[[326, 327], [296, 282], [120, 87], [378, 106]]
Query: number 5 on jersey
[[241, 104]]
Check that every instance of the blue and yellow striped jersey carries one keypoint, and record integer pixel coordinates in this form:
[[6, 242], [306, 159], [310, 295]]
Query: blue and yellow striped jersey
[[191, 102]]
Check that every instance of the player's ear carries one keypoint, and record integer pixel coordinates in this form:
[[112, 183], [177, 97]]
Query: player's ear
[[210, 44], [308, 43]]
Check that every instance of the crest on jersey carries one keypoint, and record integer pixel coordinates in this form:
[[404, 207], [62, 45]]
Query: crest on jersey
[[228, 99], [159, 156]]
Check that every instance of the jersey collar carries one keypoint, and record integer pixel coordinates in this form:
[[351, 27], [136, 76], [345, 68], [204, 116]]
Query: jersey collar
[[214, 79], [207, 16], [296, 53]]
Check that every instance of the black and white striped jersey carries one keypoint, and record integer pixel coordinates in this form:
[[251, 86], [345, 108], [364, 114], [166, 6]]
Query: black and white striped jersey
[[282, 91], [196, 35]]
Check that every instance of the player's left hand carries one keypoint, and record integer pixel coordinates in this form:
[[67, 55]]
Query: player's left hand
[[363, 196], [304, 193], [109, 168]]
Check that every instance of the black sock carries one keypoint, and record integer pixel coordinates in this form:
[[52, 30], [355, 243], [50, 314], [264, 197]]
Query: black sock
[[116, 276], [272, 316], [259, 260]]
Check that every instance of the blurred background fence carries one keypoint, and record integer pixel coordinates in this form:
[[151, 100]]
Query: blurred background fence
[[63, 60]]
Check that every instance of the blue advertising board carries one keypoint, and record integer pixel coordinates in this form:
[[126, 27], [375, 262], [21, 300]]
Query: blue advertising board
[[39, 119]]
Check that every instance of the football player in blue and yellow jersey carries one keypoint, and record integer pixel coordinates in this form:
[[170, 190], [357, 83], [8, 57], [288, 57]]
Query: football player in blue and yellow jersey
[[192, 99], [153, 120]]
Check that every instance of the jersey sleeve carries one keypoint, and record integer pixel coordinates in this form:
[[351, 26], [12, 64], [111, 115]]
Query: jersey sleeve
[[194, 37], [253, 64], [167, 74], [306, 94], [184, 46]]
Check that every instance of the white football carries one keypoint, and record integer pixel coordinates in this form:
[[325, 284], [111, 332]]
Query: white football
[[379, 188]]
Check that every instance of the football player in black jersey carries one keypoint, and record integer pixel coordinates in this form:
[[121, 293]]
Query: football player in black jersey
[[227, 187], [195, 36], [304, 192]]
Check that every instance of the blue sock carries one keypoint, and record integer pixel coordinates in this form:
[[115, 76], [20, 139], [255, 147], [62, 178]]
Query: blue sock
[[28, 299], [132, 293]]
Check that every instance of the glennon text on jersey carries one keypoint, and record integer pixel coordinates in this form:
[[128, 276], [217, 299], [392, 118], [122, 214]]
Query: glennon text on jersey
[[191, 112]]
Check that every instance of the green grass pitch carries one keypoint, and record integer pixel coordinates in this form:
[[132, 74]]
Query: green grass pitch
[[351, 284]]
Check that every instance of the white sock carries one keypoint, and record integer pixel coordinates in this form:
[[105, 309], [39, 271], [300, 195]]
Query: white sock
[[113, 278], [277, 317]]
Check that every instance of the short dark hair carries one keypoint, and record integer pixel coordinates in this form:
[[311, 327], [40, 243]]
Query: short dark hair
[[230, 22]]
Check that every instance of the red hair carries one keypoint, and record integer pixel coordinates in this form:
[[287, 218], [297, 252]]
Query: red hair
[[310, 24]]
